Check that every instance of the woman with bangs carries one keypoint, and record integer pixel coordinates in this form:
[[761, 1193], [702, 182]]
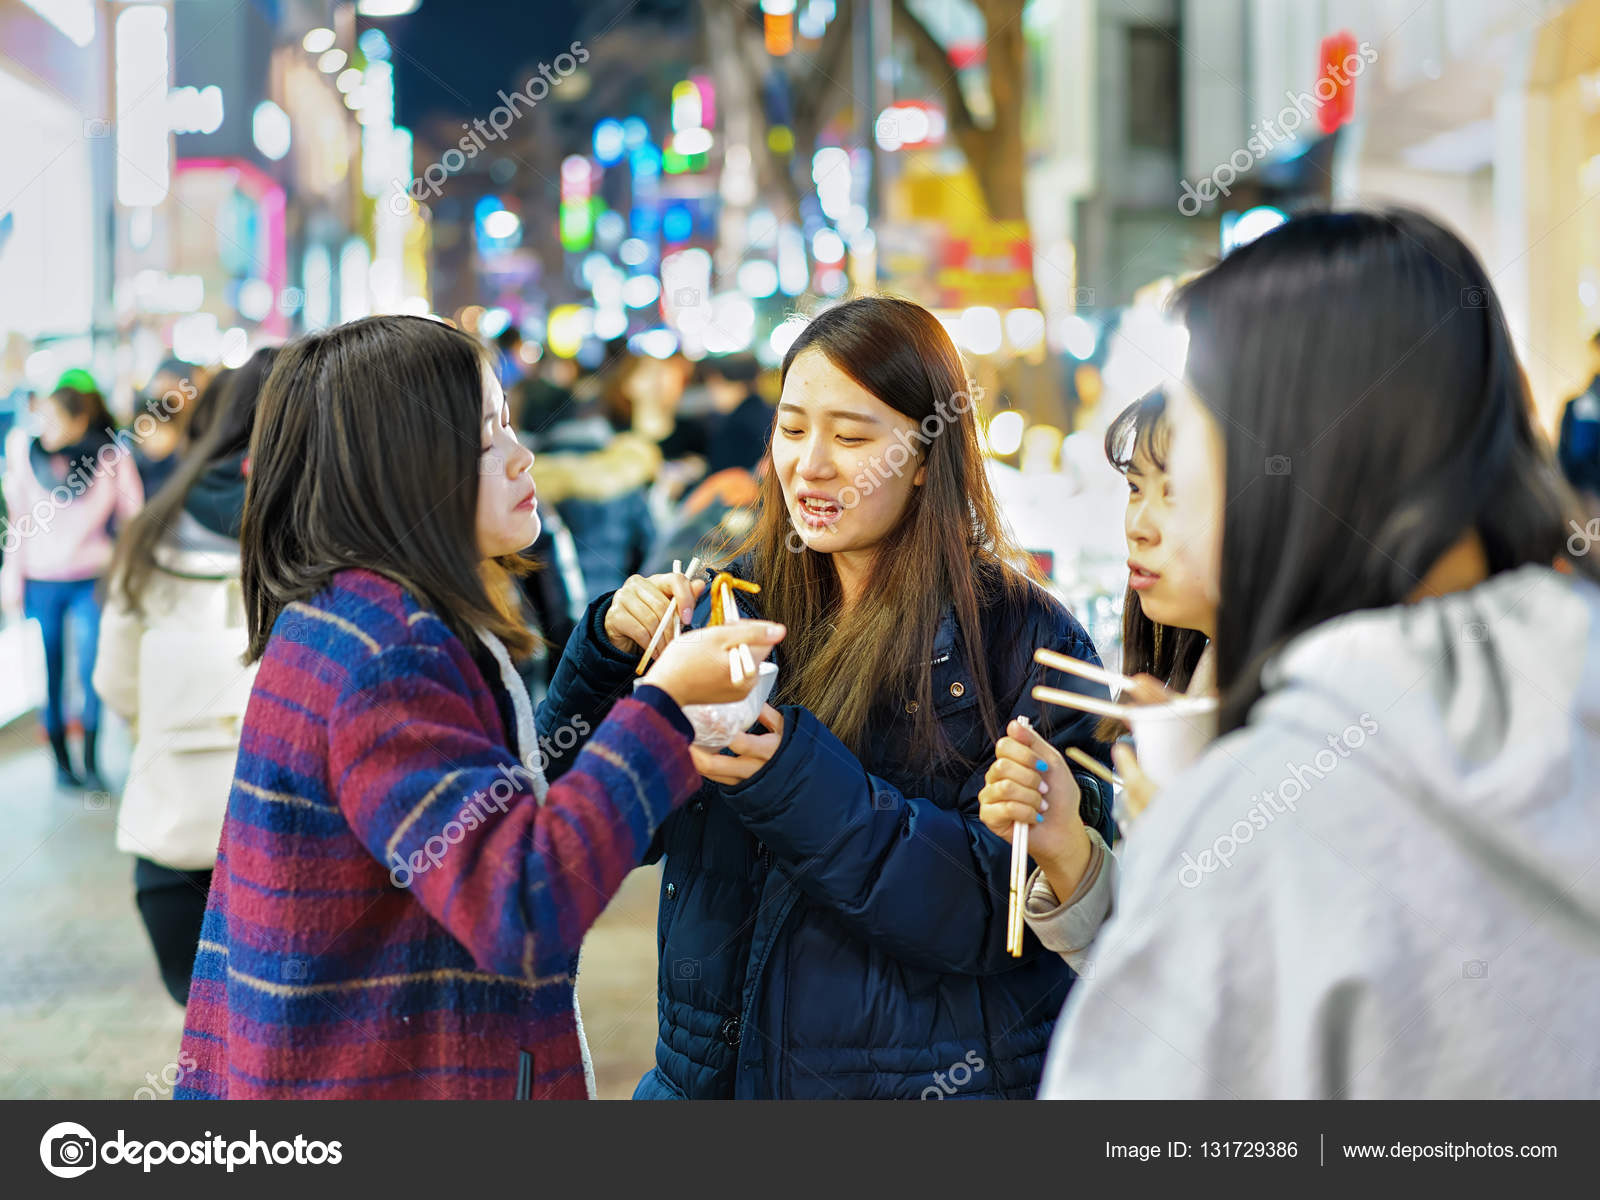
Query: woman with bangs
[[1169, 617], [833, 910]]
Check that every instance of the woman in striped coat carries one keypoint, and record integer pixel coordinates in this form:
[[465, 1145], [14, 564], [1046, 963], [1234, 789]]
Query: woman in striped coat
[[400, 893]]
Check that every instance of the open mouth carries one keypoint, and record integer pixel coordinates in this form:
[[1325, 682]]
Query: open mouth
[[818, 512], [1139, 579]]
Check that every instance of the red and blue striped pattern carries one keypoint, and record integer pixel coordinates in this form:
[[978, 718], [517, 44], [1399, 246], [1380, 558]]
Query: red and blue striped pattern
[[369, 730]]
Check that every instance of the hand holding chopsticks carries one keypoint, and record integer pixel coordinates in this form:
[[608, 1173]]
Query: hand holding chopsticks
[[670, 617]]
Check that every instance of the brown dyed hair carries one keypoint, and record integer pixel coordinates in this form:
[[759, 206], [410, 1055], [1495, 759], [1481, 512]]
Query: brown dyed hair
[[365, 454], [949, 549]]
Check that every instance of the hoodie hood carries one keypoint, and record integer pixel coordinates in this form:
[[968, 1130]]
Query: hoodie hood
[[1487, 703]]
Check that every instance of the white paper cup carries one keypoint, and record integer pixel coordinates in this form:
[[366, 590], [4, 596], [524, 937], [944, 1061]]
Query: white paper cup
[[716, 724], [1168, 737]]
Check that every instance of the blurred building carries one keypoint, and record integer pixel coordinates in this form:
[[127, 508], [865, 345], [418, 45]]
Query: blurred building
[[1486, 114]]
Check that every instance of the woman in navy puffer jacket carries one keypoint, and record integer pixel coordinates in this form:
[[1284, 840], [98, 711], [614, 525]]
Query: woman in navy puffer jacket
[[833, 912]]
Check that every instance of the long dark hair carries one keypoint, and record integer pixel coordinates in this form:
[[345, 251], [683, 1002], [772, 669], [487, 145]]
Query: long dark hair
[[949, 549], [1166, 652], [1373, 412], [232, 412], [365, 455]]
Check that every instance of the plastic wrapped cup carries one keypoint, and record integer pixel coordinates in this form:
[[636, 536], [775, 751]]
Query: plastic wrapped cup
[[1168, 737], [716, 724]]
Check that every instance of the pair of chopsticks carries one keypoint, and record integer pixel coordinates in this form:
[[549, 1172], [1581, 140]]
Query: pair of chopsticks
[[670, 617], [1090, 704]]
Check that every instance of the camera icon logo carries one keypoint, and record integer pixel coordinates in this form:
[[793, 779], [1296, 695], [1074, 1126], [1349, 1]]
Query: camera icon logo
[[686, 968], [1278, 464], [67, 1150], [1474, 297], [1082, 297], [1474, 631], [290, 301], [491, 463], [94, 127], [1475, 968], [686, 297], [97, 801], [294, 968]]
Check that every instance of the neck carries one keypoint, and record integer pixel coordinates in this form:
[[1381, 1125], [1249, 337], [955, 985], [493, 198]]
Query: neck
[[852, 567], [1463, 566]]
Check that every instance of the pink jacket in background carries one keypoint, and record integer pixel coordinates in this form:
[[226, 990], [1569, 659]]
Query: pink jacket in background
[[64, 533]]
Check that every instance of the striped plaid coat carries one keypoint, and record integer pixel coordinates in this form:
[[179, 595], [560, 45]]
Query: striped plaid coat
[[393, 913]]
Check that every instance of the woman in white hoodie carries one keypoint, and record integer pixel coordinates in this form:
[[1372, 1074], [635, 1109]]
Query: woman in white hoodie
[[1378, 881], [171, 638]]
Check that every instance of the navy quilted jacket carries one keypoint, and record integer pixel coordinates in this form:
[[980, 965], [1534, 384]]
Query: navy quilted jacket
[[836, 928]]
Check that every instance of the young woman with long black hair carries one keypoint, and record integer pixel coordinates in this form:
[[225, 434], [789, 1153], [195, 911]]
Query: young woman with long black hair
[[833, 912], [1168, 618], [401, 890], [1370, 883]]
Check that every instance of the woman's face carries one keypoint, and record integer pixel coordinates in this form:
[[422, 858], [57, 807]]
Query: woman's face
[[57, 428], [846, 477], [508, 515], [1177, 537], [1167, 588]]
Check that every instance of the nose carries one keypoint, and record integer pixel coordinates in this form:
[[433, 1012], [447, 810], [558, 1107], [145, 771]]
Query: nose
[[520, 461], [1141, 530], [815, 460]]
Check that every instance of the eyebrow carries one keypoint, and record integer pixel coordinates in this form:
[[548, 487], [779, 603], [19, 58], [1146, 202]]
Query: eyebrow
[[842, 414]]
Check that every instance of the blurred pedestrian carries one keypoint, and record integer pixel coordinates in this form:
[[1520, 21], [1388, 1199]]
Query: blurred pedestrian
[[742, 426], [833, 888], [594, 469], [1395, 834], [65, 495], [161, 439], [1578, 448], [171, 638], [387, 714]]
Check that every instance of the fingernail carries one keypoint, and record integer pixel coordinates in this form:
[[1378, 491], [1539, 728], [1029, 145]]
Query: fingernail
[[1041, 765], [1038, 819], [1044, 806], [774, 630], [1044, 789], [687, 614]]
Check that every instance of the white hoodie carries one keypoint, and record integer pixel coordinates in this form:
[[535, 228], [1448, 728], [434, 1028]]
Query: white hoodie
[[1386, 885]]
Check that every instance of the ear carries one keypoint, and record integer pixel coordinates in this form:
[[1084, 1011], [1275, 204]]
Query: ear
[[922, 474]]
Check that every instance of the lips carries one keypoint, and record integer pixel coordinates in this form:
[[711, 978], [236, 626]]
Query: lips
[[818, 511], [529, 502], [1140, 579]]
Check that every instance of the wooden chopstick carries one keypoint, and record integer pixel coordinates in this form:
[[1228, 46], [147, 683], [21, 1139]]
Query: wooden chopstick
[[1089, 764], [1075, 666], [1092, 704], [666, 619]]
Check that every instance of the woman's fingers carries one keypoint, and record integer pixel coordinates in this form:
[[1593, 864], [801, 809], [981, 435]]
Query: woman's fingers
[[680, 590], [1003, 769], [723, 768], [1137, 788], [1147, 689]]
